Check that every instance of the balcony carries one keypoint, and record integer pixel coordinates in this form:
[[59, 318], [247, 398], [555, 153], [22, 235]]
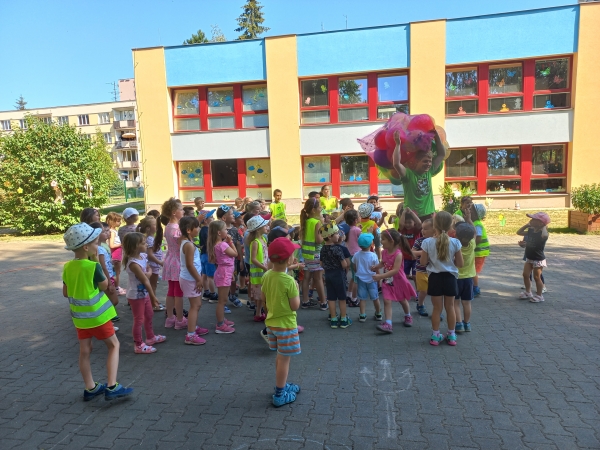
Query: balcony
[[124, 124], [127, 144], [128, 164]]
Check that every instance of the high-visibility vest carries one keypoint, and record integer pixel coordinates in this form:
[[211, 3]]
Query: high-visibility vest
[[90, 307], [256, 272], [364, 226], [309, 244], [483, 247]]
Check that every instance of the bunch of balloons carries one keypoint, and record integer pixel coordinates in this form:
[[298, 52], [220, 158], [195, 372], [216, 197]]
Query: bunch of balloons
[[416, 135]]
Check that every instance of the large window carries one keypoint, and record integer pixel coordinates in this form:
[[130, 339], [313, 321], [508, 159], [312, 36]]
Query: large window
[[511, 86], [63, 120], [5, 125], [83, 119], [365, 97], [220, 108], [103, 118]]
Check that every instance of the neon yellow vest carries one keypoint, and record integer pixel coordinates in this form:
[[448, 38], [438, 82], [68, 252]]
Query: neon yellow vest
[[364, 226], [278, 210], [483, 247], [90, 308], [328, 204], [397, 223], [256, 272], [309, 244]]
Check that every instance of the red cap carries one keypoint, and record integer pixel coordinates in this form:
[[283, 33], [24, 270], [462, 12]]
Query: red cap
[[281, 249]]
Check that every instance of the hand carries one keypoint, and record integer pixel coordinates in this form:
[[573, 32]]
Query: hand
[[370, 230], [384, 214], [373, 268], [522, 244], [301, 266], [378, 208], [153, 299], [161, 264], [347, 208], [377, 277], [228, 239], [467, 214], [199, 286], [397, 137], [111, 289]]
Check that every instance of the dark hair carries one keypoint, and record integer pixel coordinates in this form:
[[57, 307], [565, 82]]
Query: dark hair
[[465, 198], [130, 243], [96, 225], [465, 231], [87, 214], [187, 209], [154, 213], [398, 239], [188, 223], [373, 197], [248, 216], [345, 202], [351, 217], [310, 204], [312, 194], [279, 223], [274, 234], [277, 191]]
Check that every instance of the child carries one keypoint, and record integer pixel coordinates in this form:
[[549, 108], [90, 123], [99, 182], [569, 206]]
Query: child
[[89, 216], [257, 242], [190, 278], [199, 202], [422, 278], [226, 214], [367, 225], [140, 292], [395, 287], [418, 193], [474, 214], [537, 236], [465, 233], [91, 310], [208, 268], [352, 246], [444, 257], [247, 216], [107, 267], [280, 293], [456, 219], [238, 204], [277, 207], [363, 263], [171, 213], [310, 223], [188, 211], [394, 219], [130, 216], [334, 259], [154, 253], [328, 202], [410, 228], [222, 252], [114, 242]]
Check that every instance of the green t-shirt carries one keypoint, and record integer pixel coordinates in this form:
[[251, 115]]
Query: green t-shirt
[[278, 210], [278, 288], [418, 193], [468, 254]]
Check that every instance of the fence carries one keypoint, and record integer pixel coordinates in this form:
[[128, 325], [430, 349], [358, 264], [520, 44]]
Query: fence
[[122, 193]]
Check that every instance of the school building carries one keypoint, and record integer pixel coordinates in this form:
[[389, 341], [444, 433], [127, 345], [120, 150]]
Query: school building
[[515, 92]]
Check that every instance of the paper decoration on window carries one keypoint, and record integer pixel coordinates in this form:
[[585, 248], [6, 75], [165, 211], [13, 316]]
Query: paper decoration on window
[[323, 88], [511, 73], [258, 166], [227, 98], [184, 172], [557, 79], [504, 108], [198, 170], [307, 101], [259, 171], [322, 180], [549, 104], [311, 165], [251, 168], [386, 85], [351, 178], [468, 81], [545, 72], [452, 87], [253, 176], [346, 96], [517, 103], [248, 103], [359, 178], [215, 104], [191, 175]]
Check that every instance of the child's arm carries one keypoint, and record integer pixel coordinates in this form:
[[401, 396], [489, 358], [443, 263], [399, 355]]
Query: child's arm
[[188, 251], [396, 158], [65, 294], [403, 217], [295, 303], [110, 288], [230, 251], [140, 275], [391, 219], [151, 256], [441, 150], [418, 223], [523, 230], [424, 258], [545, 233], [253, 252], [390, 273], [111, 240], [377, 267], [458, 259], [318, 237]]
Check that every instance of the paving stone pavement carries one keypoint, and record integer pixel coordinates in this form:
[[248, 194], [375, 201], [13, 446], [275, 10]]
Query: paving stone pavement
[[526, 376]]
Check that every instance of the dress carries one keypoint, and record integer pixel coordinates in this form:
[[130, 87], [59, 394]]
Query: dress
[[225, 265], [171, 265], [400, 288], [158, 255]]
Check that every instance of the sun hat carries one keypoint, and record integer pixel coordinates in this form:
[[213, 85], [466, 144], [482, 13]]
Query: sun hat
[[365, 240], [128, 212], [79, 235], [481, 211], [328, 229], [545, 218], [256, 222], [365, 210], [281, 249]]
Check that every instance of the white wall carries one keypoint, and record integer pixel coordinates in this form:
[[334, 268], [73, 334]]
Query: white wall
[[220, 145], [334, 139], [512, 129]]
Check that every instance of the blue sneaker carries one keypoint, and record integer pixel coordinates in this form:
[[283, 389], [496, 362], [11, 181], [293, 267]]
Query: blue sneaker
[[476, 291], [236, 302], [89, 394], [284, 399], [362, 317], [334, 323], [422, 311], [346, 322], [467, 326], [459, 328], [117, 392], [291, 387], [227, 310]]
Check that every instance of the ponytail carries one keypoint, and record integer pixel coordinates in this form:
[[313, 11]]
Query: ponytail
[[442, 246], [442, 222]]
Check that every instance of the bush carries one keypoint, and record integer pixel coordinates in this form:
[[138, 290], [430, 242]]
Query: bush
[[586, 198], [451, 195], [38, 162]]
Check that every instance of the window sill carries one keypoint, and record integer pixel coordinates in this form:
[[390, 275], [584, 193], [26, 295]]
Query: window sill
[[217, 131], [329, 124], [498, 113]]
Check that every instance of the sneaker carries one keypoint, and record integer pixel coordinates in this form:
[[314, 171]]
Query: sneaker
[[378, 317], [260, 318], [323, 306], [117, 392], [181, 325], [170, 322], [226, 310], [115, 319], [309, 304], [385, 327], [116, 328], [476, 291], [213, 298], [435, 340], [243, 290], [544, 290], [362, 317], [194, 340], [525, 295], [236, 302], [408, 321], [201, 331], [228, 323], [224, 329], [451, 339], [459, 328], [284, 399], [157, 339], [89, 394], [143, 349], [291, 387], [345, 322], [206, 295], [334, 323], [264, 335], [251, 306], [300, 329], [536, 298], [422, 311], [467, 326]]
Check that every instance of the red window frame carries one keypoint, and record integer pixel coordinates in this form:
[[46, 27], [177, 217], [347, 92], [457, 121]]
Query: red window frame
[[333, 97], [528, 91], [203, 115]]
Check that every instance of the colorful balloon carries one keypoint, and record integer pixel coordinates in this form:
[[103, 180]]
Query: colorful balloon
[[380, 157], [380, 142]]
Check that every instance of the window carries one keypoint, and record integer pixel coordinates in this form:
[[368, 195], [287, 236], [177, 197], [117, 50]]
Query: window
[[354, 176], [461, 163], [367, 97], [108, 138], [125, 115], [552, 84], [63, 120], [221, 108], [129, 156], [84, 119], [548, 172], [23, 124], [46, 119], [103, 118], [5, 125], [461, 91]]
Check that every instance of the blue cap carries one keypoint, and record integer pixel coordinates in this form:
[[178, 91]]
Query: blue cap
[[365, 240], [210, 213], [237, 214]]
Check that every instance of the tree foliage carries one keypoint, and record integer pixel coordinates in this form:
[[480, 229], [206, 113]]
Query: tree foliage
[[37, 163], [250, 21], [197, 38], [20, 103], [217, 34]]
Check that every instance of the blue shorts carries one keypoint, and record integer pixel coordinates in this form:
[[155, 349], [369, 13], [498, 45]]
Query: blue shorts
[[367, 291], [284, 340], [207, 268], [465, 289], [410, 266]]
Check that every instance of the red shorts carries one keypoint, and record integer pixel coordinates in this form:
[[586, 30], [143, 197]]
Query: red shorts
[[479, 262], [174, 289], [102, 332]]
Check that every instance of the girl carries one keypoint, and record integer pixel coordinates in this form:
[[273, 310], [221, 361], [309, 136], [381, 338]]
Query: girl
[[257, 239], [107, 266], [352, 245], [113, 220], [222, 252], [410, 227], [140, 292], [444, 257], [190, 278], [395, 287], [171, 213], [155, 255], [394, 219], [89, 216], [310, 223], [328, 202]]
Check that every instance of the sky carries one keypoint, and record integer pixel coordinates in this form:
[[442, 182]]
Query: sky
[[68, 52]]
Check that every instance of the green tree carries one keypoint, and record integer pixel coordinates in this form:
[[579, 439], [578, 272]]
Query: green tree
[[249, 22], [20, 103], [43, 173], [198, 38], [349, 92], [217, 34]]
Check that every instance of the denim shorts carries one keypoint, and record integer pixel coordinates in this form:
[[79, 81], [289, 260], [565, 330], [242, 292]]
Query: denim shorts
[[207, 267], [367, 291]]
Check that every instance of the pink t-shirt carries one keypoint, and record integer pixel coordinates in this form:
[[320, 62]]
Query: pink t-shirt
[[352, 242], [221, 257]]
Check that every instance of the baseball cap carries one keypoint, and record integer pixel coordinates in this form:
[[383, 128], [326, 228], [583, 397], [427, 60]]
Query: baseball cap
[[128, 212], [256, 222], [79, 235], [365, 240], [545, 218], [210, 213], [328, 229], [365, 210], [281, 249], [237, 214]]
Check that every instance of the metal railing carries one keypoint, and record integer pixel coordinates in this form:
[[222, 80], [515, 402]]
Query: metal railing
[[123, 124]]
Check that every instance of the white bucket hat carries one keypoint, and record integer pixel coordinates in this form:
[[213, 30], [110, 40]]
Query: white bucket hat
[[128, 212], [79, 235], [256, 222]]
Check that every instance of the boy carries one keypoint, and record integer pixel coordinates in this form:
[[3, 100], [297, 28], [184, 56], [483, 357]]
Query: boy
[[280, 294], [188, 211], [474, 214], [208, 269], [335, 260], [367, 224], [422, 279], [367, 288], [130, 216], [277, 207], [200, 211], [537, 236], [105, 261], [91, 310], [465, 233], [239, 263]]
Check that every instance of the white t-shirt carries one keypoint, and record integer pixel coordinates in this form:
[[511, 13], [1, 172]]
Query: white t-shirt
[[437, 266], [363, 262]]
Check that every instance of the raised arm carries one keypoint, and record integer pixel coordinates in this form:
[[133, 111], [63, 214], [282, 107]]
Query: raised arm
[[523, 230], [441, 150], [396, 158]]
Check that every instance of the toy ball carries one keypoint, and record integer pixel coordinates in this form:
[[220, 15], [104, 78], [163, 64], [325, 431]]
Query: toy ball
[[381, 158], [423, 122]]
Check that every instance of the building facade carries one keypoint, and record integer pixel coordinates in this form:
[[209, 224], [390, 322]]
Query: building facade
[[515, 93]]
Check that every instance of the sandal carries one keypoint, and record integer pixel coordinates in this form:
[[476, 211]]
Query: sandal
[[159, 307], [157, 339], [144, 349]]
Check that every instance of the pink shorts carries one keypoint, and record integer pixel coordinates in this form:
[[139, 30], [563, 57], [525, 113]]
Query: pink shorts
[[189, 288], [174, 289], [224, 275], [116, 254]]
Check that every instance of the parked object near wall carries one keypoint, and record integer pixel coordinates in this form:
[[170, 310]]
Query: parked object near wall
[[586, 200]]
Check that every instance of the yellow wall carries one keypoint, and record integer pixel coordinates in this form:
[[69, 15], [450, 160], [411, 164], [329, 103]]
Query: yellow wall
[[284, 133], [153, 113], [584, 156], [428, 76]]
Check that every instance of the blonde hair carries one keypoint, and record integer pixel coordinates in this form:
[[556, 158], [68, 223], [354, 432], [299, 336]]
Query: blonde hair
[[112, 218], [130, 244], [456, 219], [213, 237], [442, 223]]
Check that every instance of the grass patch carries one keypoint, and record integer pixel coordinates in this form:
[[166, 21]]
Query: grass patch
[[140, 206]]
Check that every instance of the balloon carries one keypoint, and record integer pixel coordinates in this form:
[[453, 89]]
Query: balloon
[[380, 157], [389, 137], [417, 140], [423, 122], [380, 142]]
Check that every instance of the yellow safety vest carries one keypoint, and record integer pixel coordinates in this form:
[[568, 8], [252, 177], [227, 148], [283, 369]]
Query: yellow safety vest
[[483, 247], [309, 244], [256, 272]]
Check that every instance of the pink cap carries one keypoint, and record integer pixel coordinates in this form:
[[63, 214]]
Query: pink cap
[[545, 218]]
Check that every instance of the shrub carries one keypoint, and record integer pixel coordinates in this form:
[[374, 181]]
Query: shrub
[[586, 198], [451, 195]]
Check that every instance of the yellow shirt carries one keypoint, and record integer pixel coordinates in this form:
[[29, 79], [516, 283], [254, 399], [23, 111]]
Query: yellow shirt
[[468, 268], [328, 204]]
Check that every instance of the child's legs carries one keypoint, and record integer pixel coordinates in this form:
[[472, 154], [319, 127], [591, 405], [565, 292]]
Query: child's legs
[[195, 304], [112, 359], [343, 310], [211, 284], [318, 284], [282, 368], [479, 263], [332, 308], [450, 311], [405, 307], [457, 314], [204, 281], [527, 268], [377, 305], [148, 316], [363, 306], [137, 309], [233, 285], [466, 304], [421, 281], [437, 302], [223, 295], [170, 304], [422, 296], [305, 284], [387, 309], [117, 268], [85, 350], [537, 276]]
